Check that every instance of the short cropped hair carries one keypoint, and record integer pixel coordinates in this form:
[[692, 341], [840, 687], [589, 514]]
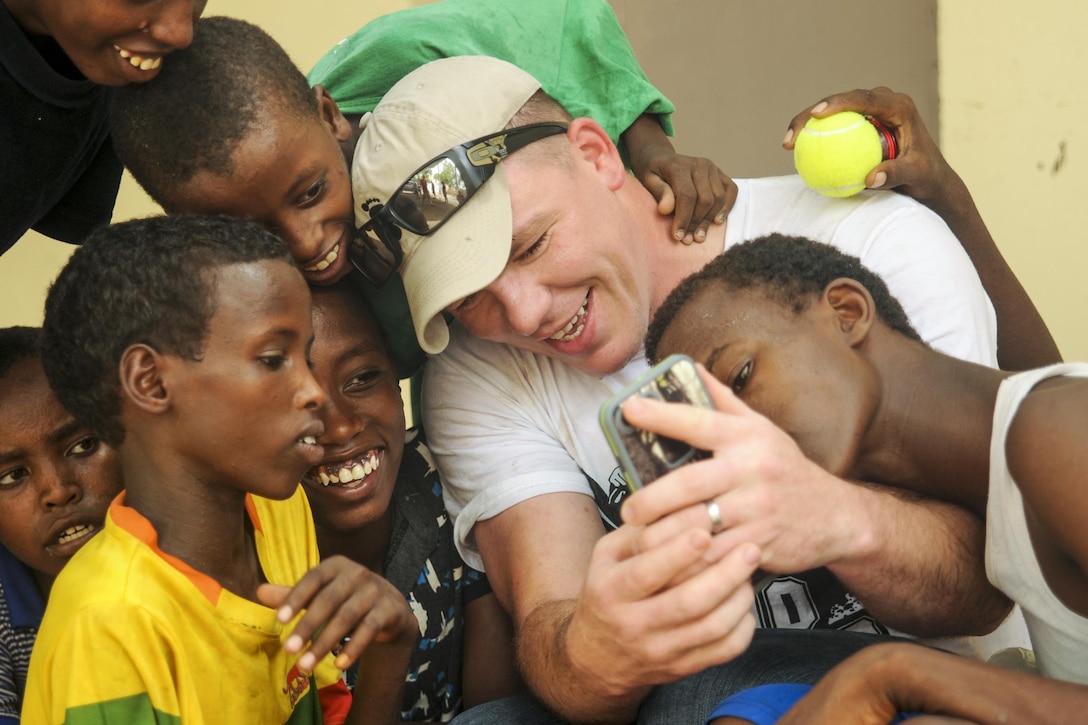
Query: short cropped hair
[[542, 108], [147, 281], [206, 99], [791, 271], [18, 344]]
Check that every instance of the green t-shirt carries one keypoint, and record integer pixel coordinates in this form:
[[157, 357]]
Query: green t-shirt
[[575, 48]]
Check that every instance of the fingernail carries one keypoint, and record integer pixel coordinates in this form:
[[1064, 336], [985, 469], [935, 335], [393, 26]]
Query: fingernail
[[293, 643], [688, 239], [879, 180], [342, 662], [819, 107], [789, 135], [284, 614], [679, 234], [700, 234], [307, 661], [720, 219]]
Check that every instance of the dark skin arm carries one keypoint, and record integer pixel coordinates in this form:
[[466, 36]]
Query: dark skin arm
[[878, 682], [491, 670], [694, 189], [921, 172]]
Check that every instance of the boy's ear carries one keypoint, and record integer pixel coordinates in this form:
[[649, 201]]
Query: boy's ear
[[331, 115], [142, 378], [853, 307], [592, 143]]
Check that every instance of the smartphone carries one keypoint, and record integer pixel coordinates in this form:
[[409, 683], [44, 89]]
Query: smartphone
[[645, 456]]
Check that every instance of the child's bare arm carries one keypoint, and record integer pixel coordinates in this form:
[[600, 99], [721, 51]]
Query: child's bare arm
[[693, 189], [921, 172], [349, 609], [490, 667], [880, 681]]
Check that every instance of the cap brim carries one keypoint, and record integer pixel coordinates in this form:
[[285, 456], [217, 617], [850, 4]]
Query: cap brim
[[465, 255]]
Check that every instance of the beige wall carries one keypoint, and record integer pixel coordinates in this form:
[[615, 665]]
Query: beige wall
[[1010, 90], [1013, 104]]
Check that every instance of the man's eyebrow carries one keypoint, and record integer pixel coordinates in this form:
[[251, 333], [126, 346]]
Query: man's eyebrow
[[529, 231]]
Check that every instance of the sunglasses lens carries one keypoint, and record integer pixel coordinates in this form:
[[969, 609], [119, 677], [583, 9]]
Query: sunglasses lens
[[429, 197], [374, 259]]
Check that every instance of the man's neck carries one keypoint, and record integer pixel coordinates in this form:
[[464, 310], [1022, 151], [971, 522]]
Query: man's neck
[[676, 261]]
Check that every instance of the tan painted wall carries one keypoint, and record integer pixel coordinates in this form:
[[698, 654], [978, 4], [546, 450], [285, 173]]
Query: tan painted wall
[[1013, 104]]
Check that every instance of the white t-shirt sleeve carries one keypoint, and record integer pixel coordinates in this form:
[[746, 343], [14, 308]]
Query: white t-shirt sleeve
[[928, 271], [493, 434]]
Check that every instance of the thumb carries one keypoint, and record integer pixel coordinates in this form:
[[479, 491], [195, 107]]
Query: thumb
[[660, 189], [272, 595]]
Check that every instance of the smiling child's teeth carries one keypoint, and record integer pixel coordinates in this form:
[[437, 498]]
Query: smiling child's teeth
[[74, 532], [309, 440], [324, 263]]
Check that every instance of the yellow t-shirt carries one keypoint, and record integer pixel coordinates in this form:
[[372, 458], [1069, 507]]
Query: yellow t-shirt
[[134, 635]]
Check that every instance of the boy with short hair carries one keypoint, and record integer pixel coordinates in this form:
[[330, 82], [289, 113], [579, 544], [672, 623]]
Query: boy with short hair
[[183, 342], [377, 499], [807, 336], [56, 481]]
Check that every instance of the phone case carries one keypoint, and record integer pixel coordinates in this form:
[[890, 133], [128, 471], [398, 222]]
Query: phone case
[[645, 456]]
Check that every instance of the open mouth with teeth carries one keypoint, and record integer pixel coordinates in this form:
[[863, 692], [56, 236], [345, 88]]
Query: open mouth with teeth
[[73, 533], [347, 474], [329, 258], [139, 61], [574, 328]]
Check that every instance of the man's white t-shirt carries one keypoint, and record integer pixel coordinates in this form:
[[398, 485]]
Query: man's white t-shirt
[[506, 425]]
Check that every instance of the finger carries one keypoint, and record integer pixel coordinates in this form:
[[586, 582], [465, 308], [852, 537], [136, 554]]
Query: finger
[[632, 575], [688, 201], [272, 595], [710, 196], [880, 102], [730, 198], [708, 606], [660, 189]]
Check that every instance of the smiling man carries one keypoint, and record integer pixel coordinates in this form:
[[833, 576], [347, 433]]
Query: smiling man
[[552, 264]]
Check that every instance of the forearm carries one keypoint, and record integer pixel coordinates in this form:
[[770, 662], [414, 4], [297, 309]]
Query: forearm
[[1024, 342], [645, 139], [380, 689], [918, 565], [576, 693], [919, 679]]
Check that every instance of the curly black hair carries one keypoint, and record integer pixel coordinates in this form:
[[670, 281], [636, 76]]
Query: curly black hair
[[791, 271], [206, 99], [147, 281], [18, 344]]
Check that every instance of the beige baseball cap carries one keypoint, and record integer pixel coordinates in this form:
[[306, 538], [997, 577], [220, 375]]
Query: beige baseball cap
[[436, 107]]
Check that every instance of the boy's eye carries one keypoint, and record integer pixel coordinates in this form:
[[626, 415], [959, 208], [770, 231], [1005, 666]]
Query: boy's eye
[[272, 361], [742, 378], [314, 192], [14, 476], [362, 380], [84, 446]]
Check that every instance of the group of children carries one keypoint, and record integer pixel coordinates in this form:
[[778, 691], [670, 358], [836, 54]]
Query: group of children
[[182, 344], [185, 350]]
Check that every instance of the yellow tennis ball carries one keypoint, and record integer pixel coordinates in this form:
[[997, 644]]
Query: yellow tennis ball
[[835, 154]]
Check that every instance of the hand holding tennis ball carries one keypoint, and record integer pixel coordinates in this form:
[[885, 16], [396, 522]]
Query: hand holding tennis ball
[[834, 154]]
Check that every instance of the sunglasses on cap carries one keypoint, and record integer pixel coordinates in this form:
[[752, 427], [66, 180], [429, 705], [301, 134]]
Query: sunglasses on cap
[[432, 195]]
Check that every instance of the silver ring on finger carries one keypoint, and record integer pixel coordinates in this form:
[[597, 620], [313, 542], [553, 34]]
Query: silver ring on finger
[[715, 513]]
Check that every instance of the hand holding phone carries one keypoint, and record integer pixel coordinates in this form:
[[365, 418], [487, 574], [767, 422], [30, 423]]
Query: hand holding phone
[[643, 455]]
